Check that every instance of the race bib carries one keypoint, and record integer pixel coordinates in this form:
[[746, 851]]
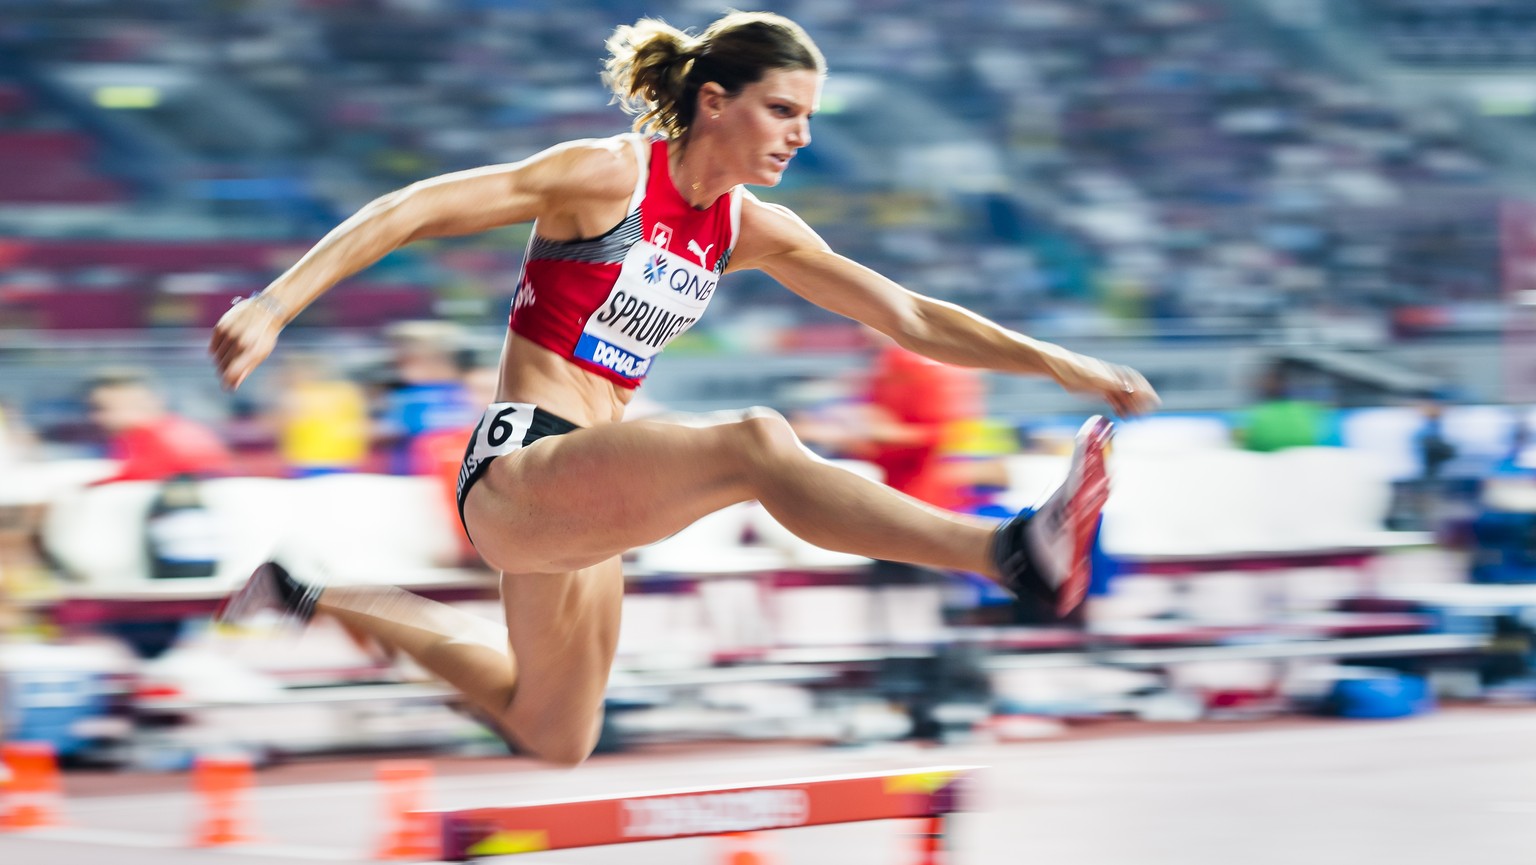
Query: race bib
[[657, 296], [501, 431]]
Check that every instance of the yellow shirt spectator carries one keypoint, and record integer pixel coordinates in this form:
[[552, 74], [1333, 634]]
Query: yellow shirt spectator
[[323, 425]]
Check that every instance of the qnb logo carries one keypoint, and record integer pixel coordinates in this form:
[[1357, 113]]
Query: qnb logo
[[655, 269], [691, 285], [714, 813]]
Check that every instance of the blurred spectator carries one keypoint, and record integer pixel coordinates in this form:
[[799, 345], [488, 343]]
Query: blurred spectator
[[902, 422], [150, 441], [322, 419], [1434, 449], [440, 453], [17, 443], [424, 391], [1279, 420], [1521, 456], [1428, 496], [17, 525], [917, 405]]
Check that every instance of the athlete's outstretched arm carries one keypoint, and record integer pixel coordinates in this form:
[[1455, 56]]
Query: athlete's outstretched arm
[[552, 186], [778, 243]]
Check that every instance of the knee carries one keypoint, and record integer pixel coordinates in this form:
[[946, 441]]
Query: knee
[[561, 746], [765, 435], [565, 755]]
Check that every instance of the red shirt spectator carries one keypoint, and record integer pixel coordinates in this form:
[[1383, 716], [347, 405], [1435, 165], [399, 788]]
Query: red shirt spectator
[[922, 399], [151, 443]]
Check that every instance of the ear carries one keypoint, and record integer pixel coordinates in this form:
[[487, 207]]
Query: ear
[[712, 99]]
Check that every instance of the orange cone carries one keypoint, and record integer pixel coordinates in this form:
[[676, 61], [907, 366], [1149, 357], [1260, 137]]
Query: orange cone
[[745, 848], [32, 797], [412, 833], [223, 784], [930, 842]]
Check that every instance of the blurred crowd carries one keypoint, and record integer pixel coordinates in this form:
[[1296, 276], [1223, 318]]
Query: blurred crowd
[[1098, 165], [1458, 33], [399, 416]]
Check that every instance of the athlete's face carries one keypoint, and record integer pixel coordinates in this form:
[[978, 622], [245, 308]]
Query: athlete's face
[[767, 122]]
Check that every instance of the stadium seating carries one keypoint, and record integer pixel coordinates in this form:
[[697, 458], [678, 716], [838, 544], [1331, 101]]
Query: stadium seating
[[1471, 34], [43, 167], [1168, 158]]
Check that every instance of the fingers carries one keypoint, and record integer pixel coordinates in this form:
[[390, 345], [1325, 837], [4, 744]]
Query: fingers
[[1134, 404], [1130, 393], [238, 345], [239, 363], [225, 350], [228, 358], [224, 353], [232, 371]]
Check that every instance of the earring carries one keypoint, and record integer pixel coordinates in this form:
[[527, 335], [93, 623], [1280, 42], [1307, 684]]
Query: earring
[[714, 117]]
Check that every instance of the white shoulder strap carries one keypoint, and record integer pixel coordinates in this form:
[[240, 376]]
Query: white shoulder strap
[[642, 147]]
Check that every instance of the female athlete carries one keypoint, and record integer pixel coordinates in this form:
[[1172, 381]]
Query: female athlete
[[631, 235]]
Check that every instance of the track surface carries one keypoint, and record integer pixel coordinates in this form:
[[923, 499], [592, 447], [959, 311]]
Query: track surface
[[1458, 786]]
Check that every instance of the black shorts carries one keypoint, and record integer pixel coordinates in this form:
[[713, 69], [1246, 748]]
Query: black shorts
[[504, 428]]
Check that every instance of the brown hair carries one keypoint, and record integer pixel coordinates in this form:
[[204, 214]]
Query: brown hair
[[655, 70]]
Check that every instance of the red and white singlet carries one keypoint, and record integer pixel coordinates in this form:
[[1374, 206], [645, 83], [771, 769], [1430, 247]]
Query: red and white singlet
[[610, 304]]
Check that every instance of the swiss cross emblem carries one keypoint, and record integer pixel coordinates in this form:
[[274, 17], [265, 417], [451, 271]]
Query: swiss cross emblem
[[661, 235]]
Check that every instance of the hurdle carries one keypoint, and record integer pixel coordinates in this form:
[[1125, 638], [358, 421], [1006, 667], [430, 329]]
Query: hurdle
[[923, 794]]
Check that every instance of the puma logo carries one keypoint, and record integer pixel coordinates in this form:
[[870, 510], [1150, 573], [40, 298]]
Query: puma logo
[[693, 247]]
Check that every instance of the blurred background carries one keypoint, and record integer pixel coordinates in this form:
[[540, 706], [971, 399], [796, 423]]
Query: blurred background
[[1311, 224]]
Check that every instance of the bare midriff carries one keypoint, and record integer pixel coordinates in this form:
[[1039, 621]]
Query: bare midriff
[[533, 374]]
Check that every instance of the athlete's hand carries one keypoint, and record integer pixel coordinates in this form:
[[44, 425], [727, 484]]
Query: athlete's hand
[[242, 339], [1125, 389]]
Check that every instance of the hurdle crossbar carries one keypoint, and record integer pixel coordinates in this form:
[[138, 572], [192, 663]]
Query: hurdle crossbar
[[559, 825]]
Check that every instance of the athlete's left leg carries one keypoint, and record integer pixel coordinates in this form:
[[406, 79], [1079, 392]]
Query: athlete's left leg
[[540, 680], [563, 631]]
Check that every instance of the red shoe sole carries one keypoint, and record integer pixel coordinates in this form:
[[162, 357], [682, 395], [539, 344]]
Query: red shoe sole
[[1083, 511]]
